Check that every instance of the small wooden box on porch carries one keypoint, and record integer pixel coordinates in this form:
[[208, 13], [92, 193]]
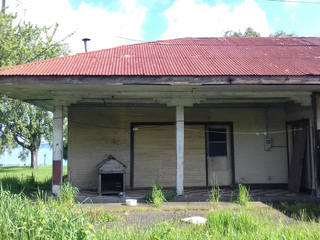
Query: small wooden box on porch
[[112, 176]]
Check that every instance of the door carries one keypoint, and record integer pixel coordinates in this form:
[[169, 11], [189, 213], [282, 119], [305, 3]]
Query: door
[[219, 162], [300, 166]]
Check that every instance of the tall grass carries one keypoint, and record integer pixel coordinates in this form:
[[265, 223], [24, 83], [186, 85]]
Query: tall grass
[[46, 218], [26, 184], [157, 196], [67, 194], [22, 218], [303, 211], [243, 197], [215, 193]]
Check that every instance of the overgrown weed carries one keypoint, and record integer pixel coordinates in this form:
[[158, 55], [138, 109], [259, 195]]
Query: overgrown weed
[[157, 196], [243, 197], [67, 194], [215, 194]]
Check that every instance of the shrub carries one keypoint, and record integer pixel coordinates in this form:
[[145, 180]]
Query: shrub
[[157, 196]]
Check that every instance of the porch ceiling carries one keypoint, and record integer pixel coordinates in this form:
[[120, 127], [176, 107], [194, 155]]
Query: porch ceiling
[[46, 94]]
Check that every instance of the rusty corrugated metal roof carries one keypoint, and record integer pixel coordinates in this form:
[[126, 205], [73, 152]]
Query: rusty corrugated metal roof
[[188, 57]]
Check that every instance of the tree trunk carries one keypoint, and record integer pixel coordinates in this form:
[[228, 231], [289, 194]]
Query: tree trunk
[[35, 157]]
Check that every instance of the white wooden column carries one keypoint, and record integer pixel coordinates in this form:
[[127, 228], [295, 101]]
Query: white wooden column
[[180, 148], [57, 156]]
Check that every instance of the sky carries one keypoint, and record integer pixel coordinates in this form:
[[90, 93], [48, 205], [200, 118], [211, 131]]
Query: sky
[[112, 23]]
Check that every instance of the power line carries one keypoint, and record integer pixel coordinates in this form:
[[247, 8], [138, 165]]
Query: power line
[[22, 3], [131, 39]]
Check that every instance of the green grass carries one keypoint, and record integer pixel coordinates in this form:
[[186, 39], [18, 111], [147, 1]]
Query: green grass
[[157, 196], [43, 217], [46, 218], [243, 197], [42, 173], [17, 179], [303, 211]]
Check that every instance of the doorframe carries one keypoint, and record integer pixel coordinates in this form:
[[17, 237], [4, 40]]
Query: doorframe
[[229, 126], [205, 124], [308, 147]]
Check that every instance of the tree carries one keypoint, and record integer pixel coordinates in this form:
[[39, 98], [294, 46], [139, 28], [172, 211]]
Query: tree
[[22, 123], [249, 32], [281, 33], [25, 125], [25, 42]]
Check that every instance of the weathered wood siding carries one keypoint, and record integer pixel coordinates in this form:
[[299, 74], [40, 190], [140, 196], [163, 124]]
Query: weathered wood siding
[[97, 132], [155, 156], [194, 156]]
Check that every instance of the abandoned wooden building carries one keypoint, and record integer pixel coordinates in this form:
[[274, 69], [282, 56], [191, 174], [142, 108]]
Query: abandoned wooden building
[[187, 112]]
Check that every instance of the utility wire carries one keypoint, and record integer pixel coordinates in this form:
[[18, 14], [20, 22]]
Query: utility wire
[[186, 128], [23, 3], [131, 39]]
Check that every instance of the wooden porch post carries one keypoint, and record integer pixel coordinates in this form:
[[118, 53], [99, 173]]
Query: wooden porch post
[[180, 148], [57, 149]]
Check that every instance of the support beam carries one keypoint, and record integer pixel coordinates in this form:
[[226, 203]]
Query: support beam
[[180, 148], [57, 156]]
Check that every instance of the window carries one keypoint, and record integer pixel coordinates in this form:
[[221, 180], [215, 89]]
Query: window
[[217, 142]]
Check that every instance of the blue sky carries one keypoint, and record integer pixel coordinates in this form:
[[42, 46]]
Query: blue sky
[[114, 22]]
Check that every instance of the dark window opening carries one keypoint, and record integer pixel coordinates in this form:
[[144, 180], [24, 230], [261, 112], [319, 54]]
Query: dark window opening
[[217, 142]]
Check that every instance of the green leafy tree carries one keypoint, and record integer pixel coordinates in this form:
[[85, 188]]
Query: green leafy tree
[[249, 32], [25, 125], [22, 123], [281, 33]]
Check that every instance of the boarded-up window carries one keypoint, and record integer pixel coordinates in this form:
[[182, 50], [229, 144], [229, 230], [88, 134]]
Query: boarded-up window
[[217, 142]]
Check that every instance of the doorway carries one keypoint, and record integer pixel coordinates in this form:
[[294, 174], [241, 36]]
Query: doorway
[[219, 155], [299, 158]]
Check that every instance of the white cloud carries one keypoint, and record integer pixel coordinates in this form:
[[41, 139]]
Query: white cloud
[[98, 24], [292, 16], [277, 19], [193, 18]]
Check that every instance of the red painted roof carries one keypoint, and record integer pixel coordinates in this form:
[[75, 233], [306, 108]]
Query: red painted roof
[[188, 56]]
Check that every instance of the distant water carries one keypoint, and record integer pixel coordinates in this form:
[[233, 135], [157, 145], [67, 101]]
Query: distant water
[[45, 157]]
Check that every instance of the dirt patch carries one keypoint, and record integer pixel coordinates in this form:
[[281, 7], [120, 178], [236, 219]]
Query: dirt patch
[[150, 218]]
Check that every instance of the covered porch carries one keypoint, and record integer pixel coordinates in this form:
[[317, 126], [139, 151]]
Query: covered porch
[[166, 139], [258, 120], [202, 195]]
